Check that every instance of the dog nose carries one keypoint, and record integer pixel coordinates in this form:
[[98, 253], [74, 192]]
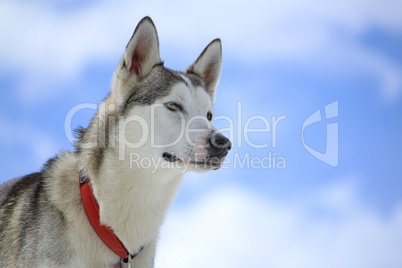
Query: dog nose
[[220, 143]]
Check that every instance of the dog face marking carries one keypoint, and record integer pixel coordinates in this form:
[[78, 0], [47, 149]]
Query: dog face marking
[[176, 105]]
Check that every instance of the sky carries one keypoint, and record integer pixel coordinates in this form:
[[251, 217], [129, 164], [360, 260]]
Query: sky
[[312, 90]]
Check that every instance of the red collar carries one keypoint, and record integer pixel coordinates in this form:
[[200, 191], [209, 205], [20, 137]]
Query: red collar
[[92, 211]]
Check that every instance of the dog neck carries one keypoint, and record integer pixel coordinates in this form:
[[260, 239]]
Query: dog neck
[[107, 236], [133, 202]]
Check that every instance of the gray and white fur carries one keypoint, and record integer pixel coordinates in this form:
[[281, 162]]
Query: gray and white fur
[[151, 113]]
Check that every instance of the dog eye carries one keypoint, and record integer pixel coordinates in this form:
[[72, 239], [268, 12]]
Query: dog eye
[[209, 116], [173, 106]]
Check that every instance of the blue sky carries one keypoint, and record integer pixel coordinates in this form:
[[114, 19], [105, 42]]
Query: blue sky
[[281, 58]]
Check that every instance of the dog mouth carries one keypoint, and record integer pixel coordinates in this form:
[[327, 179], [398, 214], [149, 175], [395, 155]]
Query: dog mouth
[[209, 163], [170, 157]]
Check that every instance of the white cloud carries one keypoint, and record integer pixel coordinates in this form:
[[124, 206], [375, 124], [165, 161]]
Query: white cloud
[[49, 45], [233, 228]]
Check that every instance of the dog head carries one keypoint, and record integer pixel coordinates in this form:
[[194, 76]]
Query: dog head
[[165, 114]]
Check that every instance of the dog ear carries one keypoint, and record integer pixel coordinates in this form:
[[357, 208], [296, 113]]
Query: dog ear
[[208, 66], [142, 51]]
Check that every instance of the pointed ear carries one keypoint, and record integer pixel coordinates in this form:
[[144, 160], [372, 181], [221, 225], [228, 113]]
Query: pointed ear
[[142, 51], [208, 66]]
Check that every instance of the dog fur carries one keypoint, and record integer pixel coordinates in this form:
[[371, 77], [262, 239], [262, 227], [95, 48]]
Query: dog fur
[[42, 221]]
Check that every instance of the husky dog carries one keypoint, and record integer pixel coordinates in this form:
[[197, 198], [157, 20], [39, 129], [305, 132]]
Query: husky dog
[[154, 125]]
